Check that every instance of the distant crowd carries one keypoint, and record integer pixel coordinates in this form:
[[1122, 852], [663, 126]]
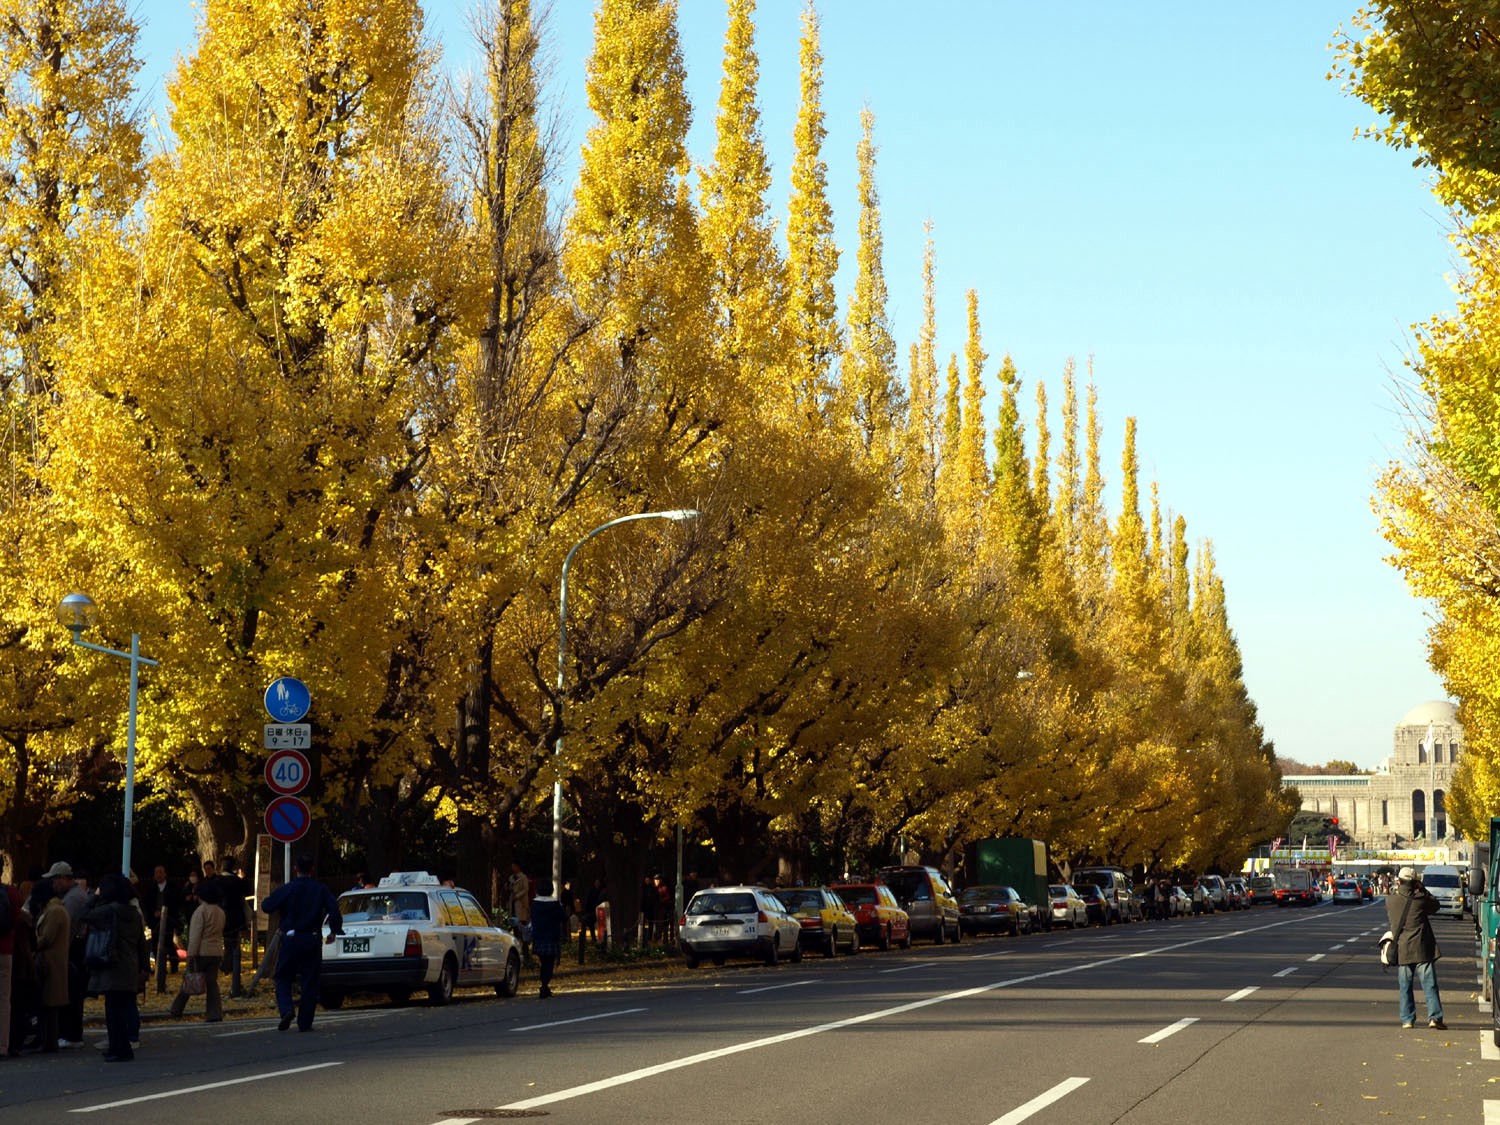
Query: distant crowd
[[63, 940]]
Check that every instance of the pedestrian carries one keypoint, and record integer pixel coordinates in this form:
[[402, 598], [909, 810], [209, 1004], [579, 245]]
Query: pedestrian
[[25, 1003], [650, 903], [233, 889], [125, 976], [161, 899], [10, 921], [205, 952], [548, 918], [518, 898], [53, 934], [595, 896], [1408, 908], [302, 904], [72, 886]]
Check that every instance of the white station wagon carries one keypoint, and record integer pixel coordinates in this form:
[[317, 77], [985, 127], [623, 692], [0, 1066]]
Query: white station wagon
[[410, 932]]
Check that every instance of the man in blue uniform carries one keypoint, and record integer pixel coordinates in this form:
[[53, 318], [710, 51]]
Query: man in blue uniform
[[303, 904]]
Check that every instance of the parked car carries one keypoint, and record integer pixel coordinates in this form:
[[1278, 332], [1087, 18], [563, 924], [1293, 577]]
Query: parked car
[[923, 893], [877, 915], [727, 922], [1067, 906], [827, 923], [410, 932], [1119, 895], [1218, 892], [1094, 902], [1262, 890], [993, 909], [1236, 894], [1182, 902], [1347, 890]]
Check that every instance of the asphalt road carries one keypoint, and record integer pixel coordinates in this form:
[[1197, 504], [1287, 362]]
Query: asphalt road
[[1264, 1015]]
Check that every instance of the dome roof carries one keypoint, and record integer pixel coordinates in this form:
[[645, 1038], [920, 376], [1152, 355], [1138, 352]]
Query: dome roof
[[1435, 711]]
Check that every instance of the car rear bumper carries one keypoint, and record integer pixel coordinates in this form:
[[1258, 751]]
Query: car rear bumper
[[725, 946], [375, 973]]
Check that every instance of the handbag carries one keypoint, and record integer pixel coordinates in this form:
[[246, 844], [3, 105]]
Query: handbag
[[194, 983], [1388, 949]]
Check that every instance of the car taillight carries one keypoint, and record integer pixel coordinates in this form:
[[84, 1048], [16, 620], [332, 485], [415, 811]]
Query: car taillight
[[413, 944], [761, 918], [681, 922]]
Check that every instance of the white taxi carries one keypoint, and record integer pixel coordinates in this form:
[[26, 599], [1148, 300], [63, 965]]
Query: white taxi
[[411, 932]]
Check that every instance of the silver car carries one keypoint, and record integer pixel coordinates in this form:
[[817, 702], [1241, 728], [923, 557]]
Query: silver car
[[724, 922]]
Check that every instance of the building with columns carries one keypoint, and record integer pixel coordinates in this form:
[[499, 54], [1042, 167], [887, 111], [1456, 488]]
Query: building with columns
[[1403, 801]]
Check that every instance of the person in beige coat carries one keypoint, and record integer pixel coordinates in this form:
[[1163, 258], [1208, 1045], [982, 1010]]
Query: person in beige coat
[[205, 952], [53, 934]]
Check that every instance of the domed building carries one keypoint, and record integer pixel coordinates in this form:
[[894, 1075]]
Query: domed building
[[1403, 802]]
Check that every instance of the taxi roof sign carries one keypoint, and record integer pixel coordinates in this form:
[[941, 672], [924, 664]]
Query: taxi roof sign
[[409, 879]]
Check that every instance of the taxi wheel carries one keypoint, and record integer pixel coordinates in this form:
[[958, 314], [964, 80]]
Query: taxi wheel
[[797, 951], [692, 961], [884, 940], [831, 949], [853, 942], [330, 1000], [510, 984], [774, 950], [442, 992], [906, 941]]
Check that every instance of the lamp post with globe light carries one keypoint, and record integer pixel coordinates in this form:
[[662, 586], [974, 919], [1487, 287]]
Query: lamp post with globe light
[[77, 613], [675, 514]]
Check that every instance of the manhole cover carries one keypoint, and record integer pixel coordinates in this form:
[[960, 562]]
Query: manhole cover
[[494, 1113]]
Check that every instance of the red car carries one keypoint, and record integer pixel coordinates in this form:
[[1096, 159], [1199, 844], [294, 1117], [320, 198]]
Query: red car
[[877, 915]]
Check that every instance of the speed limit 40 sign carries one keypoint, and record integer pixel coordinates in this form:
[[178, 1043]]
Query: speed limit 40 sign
[[287, 772]]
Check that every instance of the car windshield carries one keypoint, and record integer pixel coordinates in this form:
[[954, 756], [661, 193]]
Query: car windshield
[[1441, 879], [1058, 892], [1099, 879], [859, 896], [908, 886], [384, 906], [722, 902]]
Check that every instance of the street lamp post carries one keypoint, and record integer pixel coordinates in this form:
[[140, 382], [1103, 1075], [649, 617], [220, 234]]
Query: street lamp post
[[675, 514], [77, 613]]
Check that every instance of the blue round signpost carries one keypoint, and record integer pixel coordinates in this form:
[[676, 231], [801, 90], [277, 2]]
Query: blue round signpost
[[287, 699], [287, 818]]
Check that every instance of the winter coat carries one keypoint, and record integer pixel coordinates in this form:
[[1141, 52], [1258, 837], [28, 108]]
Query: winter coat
[[548, 921], [53, 933], [131, 956], [206, 932], [1415, 941]]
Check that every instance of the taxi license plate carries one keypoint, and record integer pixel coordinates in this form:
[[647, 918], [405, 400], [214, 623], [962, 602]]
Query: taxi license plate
[[356, 945]]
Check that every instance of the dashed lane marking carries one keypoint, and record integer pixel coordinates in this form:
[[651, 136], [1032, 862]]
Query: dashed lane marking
[[580, 1019], [1040, 1102], [1241, 994], [1285, 972], [1170, 1029], [205, 1086]]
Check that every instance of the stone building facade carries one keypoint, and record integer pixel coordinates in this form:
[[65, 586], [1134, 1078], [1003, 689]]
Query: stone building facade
[[1404, 800]]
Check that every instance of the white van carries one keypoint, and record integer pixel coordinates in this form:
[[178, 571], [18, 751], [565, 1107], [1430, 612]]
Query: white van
[[1446, 884]]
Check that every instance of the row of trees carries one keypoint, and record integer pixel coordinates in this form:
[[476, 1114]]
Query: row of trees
[[331, 387], [1429, 67]]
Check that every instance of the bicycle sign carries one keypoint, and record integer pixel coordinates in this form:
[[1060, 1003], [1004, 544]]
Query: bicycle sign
[[287, 772]]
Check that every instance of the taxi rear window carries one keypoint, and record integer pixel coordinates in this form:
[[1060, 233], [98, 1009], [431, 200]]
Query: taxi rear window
[[384, 906], [730, 903], [858, 896]]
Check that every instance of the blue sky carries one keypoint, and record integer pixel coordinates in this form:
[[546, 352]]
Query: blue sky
[[1174, 190]]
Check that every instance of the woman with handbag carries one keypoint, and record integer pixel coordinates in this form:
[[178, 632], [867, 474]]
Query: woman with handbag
[[205, 952], [53, 935], [121, 977]]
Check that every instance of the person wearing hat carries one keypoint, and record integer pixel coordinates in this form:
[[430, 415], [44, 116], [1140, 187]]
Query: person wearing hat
[[1408, 908]]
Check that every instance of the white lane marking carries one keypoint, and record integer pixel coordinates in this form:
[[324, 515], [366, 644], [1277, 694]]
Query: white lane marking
[[1316, 957], [1171, 1029], [774, 987], [869, 1017], [1331, 948], [270, 1025], [1241, 994], [580, 1019], [1491, 1113], [1487, 1049], [987, 956], [206, 1086], [1040, 1102], [908, 968], [1285, 972]]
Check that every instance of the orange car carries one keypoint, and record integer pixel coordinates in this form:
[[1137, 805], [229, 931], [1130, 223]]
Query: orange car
[[878, 915]]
